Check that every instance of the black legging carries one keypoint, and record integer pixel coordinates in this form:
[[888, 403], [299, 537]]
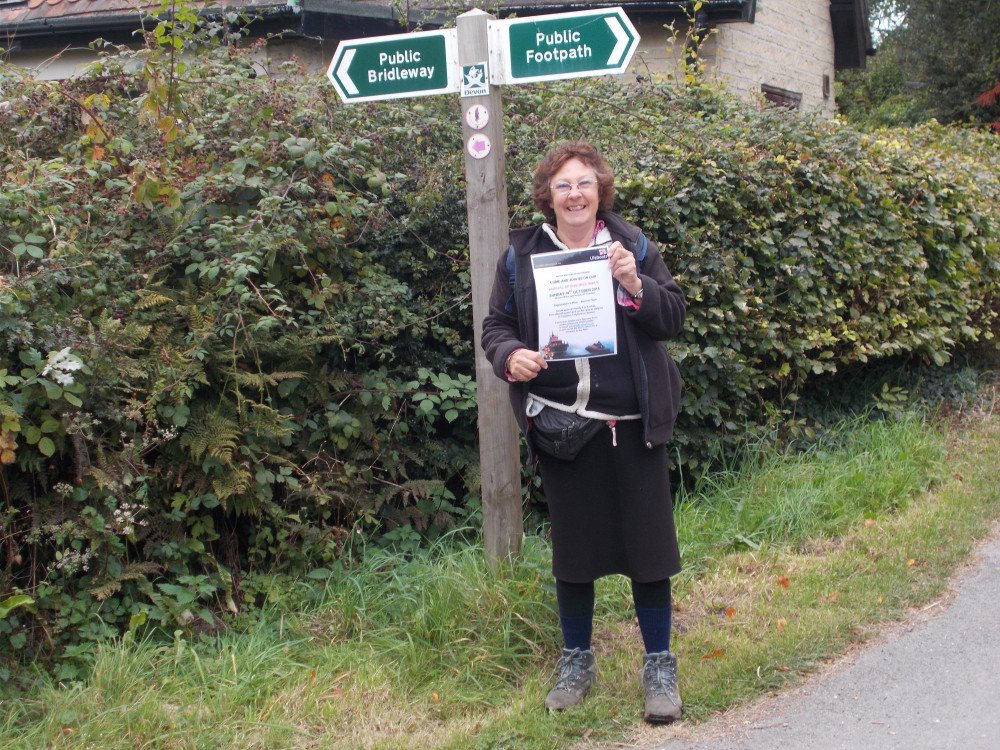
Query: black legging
[[577, 599]]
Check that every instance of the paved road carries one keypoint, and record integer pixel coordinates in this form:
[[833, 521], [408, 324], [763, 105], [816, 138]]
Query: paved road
[[932, 683]]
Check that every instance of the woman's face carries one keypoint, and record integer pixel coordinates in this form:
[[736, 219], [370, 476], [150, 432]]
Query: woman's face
[[575, 208]]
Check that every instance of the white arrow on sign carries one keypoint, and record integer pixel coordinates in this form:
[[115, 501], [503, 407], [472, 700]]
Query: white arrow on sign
[[622, 40], [342, 73]]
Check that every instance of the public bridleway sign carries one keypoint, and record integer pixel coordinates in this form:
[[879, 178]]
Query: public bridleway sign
[[563, 45], [395, 66]]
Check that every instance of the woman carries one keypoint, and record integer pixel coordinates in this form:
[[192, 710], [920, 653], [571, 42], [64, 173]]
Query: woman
[[610, 506]]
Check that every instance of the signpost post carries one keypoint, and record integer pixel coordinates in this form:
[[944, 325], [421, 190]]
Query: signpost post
[[473, 60], [486, 208]]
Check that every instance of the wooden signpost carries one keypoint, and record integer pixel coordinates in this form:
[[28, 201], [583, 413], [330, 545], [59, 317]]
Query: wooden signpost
[[474, 60]]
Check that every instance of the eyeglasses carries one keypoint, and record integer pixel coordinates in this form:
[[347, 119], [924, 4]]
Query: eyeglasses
[[563, 188]]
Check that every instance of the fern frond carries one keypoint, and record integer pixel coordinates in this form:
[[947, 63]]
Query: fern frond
[[273, 378], [149, 299], [216, 436], [105, 590], [137, 570], [194, 316], [134, 334], [104, 480], [234, 483], [253, 380], [129, 334], [327, 339], [259, 380], [266, 422], [413, 489]]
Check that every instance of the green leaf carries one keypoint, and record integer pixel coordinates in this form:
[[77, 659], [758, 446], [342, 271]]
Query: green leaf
[[181, 594], [11, 603], [181, 415], [137, 620], [46, 447]]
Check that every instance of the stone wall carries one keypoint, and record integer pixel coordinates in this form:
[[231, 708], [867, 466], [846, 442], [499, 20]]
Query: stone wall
[[788, 48]]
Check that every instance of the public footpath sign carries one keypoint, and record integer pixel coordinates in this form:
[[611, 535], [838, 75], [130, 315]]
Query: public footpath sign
[[396, 66], [564, 45]]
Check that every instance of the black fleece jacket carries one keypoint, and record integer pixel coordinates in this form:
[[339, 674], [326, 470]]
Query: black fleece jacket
[[512, 323]]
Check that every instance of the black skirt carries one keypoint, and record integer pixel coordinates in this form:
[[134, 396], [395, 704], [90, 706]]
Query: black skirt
[[611, 510]]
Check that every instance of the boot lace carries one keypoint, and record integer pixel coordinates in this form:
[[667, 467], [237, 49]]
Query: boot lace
[[659, 674], [570, 667]]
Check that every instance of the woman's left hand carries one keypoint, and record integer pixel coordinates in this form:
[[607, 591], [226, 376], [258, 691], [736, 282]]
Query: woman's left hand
[[622, 265]]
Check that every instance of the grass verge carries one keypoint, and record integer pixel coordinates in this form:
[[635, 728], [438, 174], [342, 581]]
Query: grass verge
[[789, 562]]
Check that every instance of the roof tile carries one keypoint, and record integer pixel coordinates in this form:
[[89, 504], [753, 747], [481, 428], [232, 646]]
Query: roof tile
[[35, 11]]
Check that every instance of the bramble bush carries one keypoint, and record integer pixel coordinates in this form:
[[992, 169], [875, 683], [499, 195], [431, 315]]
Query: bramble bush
[[235, 319], [230, 340], [806, 249]]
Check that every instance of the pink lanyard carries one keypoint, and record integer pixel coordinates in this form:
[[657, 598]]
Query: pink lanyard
[[598, 228]]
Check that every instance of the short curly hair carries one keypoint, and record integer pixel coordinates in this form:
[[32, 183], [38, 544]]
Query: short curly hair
[[554, 160]]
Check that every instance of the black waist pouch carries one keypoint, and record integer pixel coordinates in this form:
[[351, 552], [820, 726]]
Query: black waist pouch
[[563, 434]]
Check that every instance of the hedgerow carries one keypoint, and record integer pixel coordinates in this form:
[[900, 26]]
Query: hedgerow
[[236, 330]]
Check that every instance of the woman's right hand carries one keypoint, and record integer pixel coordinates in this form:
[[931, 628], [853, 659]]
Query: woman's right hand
[[525, 364]]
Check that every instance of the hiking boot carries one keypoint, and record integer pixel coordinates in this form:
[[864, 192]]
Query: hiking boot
[[576, 674], [659, 677]]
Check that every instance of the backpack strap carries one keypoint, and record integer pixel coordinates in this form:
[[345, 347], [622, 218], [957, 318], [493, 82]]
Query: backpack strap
[[512, 278], [641, 246]]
